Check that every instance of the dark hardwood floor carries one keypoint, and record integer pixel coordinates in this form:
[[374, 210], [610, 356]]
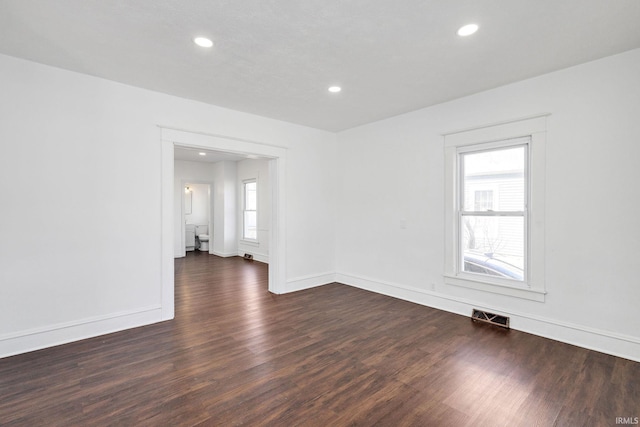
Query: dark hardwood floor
[[329, 356]]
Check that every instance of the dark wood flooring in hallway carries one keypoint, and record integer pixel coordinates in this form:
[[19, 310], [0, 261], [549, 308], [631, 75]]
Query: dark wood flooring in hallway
[[329, 356]]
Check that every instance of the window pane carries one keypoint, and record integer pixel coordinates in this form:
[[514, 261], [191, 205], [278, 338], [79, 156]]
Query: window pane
[[250, 196], [483, 200], [494, 180], [493, 245], [250, 225]]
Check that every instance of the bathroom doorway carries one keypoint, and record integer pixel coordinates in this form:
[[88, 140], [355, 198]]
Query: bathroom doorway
[[196, 213]]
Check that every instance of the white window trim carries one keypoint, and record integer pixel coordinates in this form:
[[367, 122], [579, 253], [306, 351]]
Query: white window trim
[[534, 127], [245, 239]]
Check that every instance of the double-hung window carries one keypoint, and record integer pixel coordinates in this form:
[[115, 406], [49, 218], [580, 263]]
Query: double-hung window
[[250, 210], [495, 208], [492, 236]]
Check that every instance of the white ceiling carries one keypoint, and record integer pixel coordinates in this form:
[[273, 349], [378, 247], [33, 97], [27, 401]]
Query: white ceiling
[[276, 58]]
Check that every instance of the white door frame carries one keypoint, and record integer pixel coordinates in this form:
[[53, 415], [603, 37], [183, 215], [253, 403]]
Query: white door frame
[[277, 170]]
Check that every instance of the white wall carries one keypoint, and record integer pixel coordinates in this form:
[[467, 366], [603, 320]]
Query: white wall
[[225, 240], [226, 179], [393, 170], [259, 170], [91, 150], [83, 142], [199, 204]]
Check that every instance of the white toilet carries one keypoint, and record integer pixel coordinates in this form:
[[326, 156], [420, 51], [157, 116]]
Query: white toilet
[[202, 231]]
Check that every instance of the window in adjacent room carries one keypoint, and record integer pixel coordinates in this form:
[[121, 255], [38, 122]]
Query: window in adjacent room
[[483, 200], [250, 210], [495, 208]]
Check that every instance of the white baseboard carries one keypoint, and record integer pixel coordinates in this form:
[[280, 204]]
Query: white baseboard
[[62, 333], [615, 344], [620, 345], [307, 282], [224, 254], [256, 256]]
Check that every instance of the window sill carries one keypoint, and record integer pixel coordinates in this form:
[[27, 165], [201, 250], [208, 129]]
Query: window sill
[[250, 242], [512, 291]]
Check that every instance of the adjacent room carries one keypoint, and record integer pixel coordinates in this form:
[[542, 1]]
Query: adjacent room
[[319, 213]]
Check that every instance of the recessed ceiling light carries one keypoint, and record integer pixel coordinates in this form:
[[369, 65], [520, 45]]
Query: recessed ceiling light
[[335, 89], [203, 42], [467, 30], [202, 153]]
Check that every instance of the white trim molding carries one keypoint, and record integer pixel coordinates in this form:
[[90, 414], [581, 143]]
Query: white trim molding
[[277, 231], [63, 333], [612, 343], [224, 254], [310, 281], [256, 256], [456, 142]]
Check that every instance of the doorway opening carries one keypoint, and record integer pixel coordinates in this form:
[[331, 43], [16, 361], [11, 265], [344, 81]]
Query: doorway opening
[[196, 224], [276, 157]]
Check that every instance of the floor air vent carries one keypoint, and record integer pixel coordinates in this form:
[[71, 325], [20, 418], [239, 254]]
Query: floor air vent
[[248, 257], [494, 319]]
